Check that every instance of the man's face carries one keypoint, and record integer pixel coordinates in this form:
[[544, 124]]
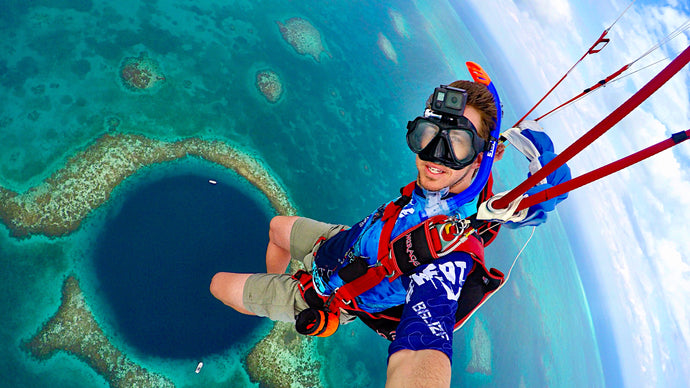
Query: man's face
[[435, 177]]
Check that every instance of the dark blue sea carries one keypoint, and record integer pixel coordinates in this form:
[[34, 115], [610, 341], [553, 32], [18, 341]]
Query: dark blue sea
[[157, 254]]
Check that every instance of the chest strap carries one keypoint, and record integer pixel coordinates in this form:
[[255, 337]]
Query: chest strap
[[417, 246], [344, 297]]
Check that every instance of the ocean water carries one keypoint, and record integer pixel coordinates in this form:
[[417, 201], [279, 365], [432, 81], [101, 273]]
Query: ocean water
[[334, 141], [155, 257]]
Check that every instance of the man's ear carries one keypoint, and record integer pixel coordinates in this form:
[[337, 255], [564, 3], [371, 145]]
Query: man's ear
[[478, 161]]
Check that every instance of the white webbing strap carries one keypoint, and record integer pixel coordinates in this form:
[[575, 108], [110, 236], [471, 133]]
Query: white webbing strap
[[488, 213], [524, 145]]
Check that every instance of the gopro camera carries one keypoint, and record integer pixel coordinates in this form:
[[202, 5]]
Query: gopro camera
[[449, 101]]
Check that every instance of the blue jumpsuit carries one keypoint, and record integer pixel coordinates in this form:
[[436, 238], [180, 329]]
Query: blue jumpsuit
[[429, 294]]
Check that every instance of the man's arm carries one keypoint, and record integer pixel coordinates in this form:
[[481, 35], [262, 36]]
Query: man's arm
[[420, 354], [418, 368]]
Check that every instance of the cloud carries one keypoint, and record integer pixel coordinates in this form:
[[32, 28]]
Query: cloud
[[556, 14], [644, 244]]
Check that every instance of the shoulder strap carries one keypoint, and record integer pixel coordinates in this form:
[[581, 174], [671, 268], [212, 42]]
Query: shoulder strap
[[418, 245], [344, 297], [487, 230], [390, 215], [423, 243]]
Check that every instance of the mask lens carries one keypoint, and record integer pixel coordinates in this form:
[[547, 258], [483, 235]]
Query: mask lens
[[423, 133], [451, 146], [461, 144]]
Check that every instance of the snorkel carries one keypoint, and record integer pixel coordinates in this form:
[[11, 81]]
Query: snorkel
[[479, 75]]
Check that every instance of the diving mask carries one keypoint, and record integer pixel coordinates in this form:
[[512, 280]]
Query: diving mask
[[451, 142]]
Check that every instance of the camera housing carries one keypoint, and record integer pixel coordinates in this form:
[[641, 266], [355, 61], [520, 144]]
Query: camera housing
[[449, 101]]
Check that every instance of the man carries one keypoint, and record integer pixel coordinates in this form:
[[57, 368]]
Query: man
[[449, 153]]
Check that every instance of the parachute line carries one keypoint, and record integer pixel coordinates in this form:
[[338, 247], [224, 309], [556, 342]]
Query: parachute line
[[598, 130], [592, 50], [601, 172], [617, 74]]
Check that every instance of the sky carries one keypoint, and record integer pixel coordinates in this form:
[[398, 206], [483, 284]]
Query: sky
[[630, 231]]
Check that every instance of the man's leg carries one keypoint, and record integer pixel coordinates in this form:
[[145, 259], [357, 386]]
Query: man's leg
[[228, 287], [275, 294], [278, 251]]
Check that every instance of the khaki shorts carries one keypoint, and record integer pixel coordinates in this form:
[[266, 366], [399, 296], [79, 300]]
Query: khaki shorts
[[277, 296]]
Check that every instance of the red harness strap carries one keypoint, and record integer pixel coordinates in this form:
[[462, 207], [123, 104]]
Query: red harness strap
[[344, 297], [431, 237], [387, 265], [485, 229]]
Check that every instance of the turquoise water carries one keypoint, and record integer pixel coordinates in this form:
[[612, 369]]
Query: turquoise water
[[334, 140]]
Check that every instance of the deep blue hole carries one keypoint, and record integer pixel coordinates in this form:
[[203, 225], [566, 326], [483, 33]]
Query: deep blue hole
[[156, 257]]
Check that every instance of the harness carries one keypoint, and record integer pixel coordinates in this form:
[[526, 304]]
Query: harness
[[419, 245]]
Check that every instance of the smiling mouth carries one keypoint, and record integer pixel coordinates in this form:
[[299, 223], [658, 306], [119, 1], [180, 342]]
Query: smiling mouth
[[434, 170]]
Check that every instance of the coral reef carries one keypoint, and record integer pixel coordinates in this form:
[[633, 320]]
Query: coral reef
[[387, 48], [268, 83], [399, 23], [140, 73], [480, 348], [303, 37], [73, 330], [111, 123], [284, 358], [57, 206]]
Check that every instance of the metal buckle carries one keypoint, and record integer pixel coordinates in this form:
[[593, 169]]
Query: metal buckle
[[459, 228], [327, 304], [461, 224], [380, 264]]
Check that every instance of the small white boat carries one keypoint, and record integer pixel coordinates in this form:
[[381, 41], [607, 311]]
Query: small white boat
[[211, 181], [198, 367]]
